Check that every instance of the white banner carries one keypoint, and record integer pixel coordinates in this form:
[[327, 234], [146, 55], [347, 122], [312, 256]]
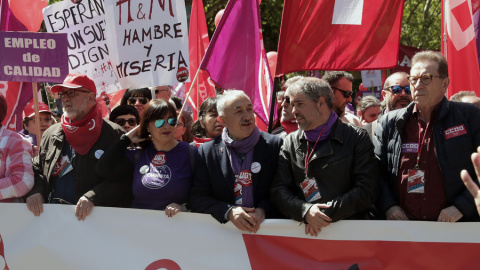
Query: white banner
[[88, 52], [148, 41], [115, 238]]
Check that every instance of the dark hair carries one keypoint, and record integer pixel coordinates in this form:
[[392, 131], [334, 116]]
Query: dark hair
[[178, 102], [156, 109], [124, 110], [208, 105], [187, 122], [436, 57], [332, 77], [140, 92], [3, 108]]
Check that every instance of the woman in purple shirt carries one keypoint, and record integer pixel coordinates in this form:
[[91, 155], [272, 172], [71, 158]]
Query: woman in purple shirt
[[162, 166]]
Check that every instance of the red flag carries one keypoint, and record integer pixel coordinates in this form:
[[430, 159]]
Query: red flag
[[198, 43], [461, 50], [236, 58], [475, 6], [339, 35]]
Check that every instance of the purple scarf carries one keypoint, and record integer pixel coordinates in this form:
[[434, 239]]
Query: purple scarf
[[243, 189], [312, 135]]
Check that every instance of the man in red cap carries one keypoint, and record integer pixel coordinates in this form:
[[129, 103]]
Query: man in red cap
[[65, 167], [29, 125]]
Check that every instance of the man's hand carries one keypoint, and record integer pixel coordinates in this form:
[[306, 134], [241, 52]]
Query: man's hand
[[241, 219], [35, 204], [316, 219], [35, 151], [258, 215], [450, 214], [174, 208], [467, 180], [396, 213], [84, 208]]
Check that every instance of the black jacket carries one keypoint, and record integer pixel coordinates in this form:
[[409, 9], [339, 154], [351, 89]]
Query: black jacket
[[453, 154], [344, 168]]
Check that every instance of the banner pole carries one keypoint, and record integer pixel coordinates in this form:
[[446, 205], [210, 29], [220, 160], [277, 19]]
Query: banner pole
[[188, 94], [198, 94], [272, 105], [37, 114]]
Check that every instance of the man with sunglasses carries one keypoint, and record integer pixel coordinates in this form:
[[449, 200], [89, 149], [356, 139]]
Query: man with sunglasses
[[65, 167], [163, 92], [423, 147], [125, 116], [235, 170], [341, 84], [396, 91]]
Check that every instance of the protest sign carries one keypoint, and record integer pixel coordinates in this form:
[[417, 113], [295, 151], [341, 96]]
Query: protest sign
[[33, 57], [88, 52], [148, 42]]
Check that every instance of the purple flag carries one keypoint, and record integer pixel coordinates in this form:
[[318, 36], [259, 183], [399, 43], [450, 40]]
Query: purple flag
[[236, 58]]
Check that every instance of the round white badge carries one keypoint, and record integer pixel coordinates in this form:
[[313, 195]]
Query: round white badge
[[256, 167], [99, 153], [144, 169]]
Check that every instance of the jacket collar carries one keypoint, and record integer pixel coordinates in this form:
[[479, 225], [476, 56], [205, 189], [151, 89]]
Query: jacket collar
[[326, 150], [402, 118]]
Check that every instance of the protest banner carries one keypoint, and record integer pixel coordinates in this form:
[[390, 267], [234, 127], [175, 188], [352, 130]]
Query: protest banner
[[84, 24], [148, 42], [115, 238]]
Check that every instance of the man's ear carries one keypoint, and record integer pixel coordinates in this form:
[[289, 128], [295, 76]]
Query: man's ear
[[445, 84], [359, 114], [321, 100]]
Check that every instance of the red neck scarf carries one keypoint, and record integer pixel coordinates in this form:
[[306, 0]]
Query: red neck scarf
[[83, 134], [289, 126], [200, 141]]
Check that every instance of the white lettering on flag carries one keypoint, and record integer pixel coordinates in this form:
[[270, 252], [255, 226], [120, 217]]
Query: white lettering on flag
[[348, 12], [460, 38]]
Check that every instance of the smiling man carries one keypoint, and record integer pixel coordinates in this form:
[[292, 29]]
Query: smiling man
[[422, 149], [65, 168], [327, 170], [234, 172]]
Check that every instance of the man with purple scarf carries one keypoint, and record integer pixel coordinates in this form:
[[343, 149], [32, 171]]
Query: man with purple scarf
[[326, 169], [234, 173]]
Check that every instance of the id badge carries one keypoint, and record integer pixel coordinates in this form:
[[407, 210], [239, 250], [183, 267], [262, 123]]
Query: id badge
[[62, 167], [310, 189], [237, 190], [416, 181]]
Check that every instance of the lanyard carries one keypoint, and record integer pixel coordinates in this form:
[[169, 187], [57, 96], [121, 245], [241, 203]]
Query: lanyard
[[308, 156], [420, 142]]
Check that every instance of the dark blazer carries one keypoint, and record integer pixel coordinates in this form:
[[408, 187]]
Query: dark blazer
[[212, 191]]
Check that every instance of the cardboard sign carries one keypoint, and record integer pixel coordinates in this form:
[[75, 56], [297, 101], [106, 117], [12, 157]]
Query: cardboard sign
[[148, 42], [33, 57]]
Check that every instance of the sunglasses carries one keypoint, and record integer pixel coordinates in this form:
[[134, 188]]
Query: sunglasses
[[163, 90], [133, 100], [287, 100], [397, 89], [131, 122], [160, 122], [346, 94]]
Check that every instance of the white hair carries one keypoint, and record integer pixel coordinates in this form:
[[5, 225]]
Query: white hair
[[228, 95]]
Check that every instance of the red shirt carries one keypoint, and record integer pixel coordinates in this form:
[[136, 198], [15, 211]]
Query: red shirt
[[427, 205]]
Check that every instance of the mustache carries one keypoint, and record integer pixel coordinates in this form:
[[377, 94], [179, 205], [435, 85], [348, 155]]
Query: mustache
[[247, 121]]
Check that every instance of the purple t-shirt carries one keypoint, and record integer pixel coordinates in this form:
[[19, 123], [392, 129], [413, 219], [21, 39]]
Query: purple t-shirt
[[161, 178]]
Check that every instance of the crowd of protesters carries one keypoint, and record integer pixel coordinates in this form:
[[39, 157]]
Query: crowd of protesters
[[411, 160]]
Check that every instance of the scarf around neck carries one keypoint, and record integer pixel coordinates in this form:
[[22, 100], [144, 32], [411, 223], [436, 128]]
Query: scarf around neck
[[243, 175], [289, 126], [83, 134], [200, 141], [312, 135]]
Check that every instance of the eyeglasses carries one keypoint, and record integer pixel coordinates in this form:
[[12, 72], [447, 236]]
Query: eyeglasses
[[163, 90], [133, 100], [131, 121], [426, 79], [70, 93], [346, 94], [397, 89], [160, 122], [46, 119], [180, 124]]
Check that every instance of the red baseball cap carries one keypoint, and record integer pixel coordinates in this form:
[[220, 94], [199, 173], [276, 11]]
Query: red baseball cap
[[75, 80], [29, 109]]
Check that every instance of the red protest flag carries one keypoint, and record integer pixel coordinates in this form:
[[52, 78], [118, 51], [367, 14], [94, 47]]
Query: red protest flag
[[339, 35], [460, 47], [198, 44]]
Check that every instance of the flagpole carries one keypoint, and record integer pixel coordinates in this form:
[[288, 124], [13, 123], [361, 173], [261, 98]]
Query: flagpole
[[37, 114], [444, 34], [272, 105], [188, 94], [198, 94]]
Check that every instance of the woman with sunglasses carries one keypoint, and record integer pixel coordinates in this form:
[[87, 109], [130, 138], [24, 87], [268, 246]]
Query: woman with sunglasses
[[207, 126], [125, 116], [163, 166], [137, 98]]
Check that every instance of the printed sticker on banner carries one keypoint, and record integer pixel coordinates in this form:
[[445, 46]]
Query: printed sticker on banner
[[409, 148], [310, 189], [144, 169], [159, 159], [182, 74], [256, 167], [416, 181], [99, 153], [245, 178], [237, 191], [455, 131]]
